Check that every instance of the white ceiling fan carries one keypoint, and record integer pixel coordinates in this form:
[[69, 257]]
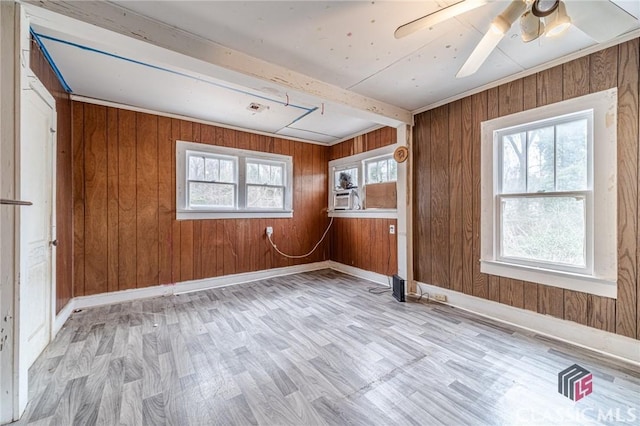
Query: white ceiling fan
[[601, 20]]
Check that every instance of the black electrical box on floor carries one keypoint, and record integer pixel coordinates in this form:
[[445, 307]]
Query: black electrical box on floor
[[398, 288]]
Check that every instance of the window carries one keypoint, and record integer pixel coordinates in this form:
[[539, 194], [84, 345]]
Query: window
[[351, 189], [217, 182], [549, 196], [212, 181], [381, 170], [544, 193], [265, 184]]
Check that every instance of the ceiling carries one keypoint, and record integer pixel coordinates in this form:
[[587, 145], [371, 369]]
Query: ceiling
[[318, 71]]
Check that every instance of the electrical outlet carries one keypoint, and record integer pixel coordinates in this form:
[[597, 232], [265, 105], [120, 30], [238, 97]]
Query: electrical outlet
[[392, 229], [269, 231], [440, 297]]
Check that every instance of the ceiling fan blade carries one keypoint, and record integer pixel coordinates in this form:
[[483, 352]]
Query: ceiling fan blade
[[438, 16], [480, 53], [600, 20]]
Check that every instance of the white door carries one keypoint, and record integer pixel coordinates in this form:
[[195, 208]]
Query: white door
[[37, 184]]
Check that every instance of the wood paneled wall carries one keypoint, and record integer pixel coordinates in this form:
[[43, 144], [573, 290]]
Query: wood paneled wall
[[362, 242], [45, 74], [446, 216], [125, 231]]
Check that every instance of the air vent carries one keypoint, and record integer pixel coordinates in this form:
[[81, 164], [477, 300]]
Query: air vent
[[256, 107]]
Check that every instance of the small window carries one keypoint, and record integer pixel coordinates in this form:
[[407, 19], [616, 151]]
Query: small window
[[381, 170], [212, 181], [345, 178], [549, 195], [364, 184], [216, 182], [265, 184]]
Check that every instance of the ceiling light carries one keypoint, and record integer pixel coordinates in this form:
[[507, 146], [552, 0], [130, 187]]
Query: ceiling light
[[531, 27], [558, 22], [542, 8]]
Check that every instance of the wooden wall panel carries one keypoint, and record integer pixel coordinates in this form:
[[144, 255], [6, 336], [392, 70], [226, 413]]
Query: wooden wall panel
[[455, 195], [422, 197], [147, 200], [127, 234], [479, 113], [467, 197], [112, 200], [440, 196], [124, 205], [95, 206], [627, 310], [64, 191], [362, 242], [616, 66], [77, 188]]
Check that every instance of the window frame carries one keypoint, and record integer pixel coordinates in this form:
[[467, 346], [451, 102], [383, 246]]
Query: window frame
[[600, 277], [240, 157]]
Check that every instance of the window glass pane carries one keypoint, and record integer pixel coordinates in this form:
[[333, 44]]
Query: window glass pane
[[513, 163], [571, 167], [265, 174], [372, 173], [548, 229], [345, 179], [196, 168], [253, 173], [383, 169], [211, 194], [227, 171], [276, 175], [211, 169], [265, 197], [393, 170], [540, 161]]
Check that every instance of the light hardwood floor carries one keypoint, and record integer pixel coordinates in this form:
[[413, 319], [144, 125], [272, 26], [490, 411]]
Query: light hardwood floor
[[311, 349]]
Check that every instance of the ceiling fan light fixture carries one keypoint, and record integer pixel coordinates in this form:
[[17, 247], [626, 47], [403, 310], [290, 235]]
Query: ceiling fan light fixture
[[531, 27], [542, 8], [558, 22]]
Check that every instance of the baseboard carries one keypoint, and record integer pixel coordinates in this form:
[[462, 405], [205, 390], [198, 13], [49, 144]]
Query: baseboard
[[62, 317], [591, 338], [82, 302], [360, 273]]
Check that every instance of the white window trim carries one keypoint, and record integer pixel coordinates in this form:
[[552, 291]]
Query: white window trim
[[183, 212], [605, 258], [357, 161]]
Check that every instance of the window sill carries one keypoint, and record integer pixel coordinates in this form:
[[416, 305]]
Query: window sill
[[370, 213], [233, 214], [567, 280]]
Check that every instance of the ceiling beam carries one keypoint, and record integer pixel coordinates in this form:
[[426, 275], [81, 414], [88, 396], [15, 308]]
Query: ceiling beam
[[122, 21]]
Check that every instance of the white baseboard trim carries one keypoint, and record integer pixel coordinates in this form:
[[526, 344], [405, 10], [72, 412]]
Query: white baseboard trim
[[360, 273], [609, 344], [62, 317], [101, 299]]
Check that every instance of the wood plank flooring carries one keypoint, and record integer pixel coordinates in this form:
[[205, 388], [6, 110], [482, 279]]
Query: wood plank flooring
[[311, 349]]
